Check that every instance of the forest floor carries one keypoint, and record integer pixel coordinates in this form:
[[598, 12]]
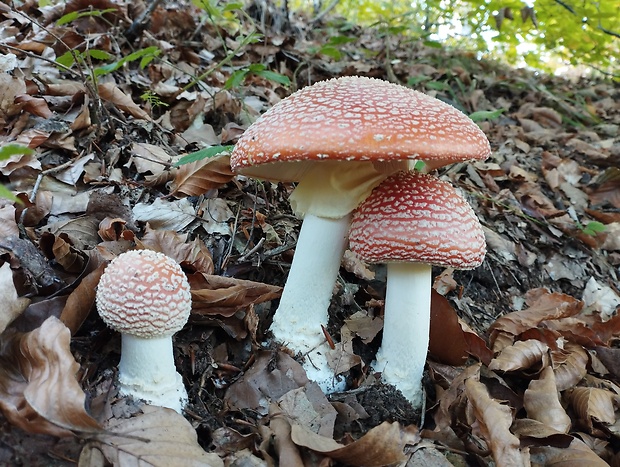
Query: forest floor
[[523, 365]]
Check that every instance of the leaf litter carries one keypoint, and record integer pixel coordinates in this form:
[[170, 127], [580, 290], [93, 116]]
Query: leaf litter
[[523, 356]]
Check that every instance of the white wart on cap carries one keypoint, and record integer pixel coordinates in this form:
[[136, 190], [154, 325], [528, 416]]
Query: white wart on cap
[[413, 217]]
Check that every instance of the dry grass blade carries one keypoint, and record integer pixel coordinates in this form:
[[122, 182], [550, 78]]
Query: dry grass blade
[[495, 420], [157, 437], [38, 389], [542, 403]]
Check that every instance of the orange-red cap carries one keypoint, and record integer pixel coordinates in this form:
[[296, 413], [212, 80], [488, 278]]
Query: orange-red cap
[[355, 118], [413, 217]]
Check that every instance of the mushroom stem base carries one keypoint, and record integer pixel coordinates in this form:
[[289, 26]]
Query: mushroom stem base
[[310, 283], [147, 372], [406, 328]]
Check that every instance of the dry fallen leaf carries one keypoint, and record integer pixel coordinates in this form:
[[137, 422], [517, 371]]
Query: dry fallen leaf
[[157, 437], [111, 93], [38, 389], [225, 296], [196, 178], [381, 445], [520, 356], [541, 402], [12, 305], [494, 420], [593, 404]]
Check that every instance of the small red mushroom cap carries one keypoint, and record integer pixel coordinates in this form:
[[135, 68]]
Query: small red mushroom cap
[[413, 217], [144, 293], [355, 118]]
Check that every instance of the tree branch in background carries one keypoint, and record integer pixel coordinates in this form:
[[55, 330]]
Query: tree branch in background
[[599, 26]]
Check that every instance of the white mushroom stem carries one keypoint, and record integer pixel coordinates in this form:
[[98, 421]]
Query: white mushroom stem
[[147, 371], [308, 291], [406, 328]]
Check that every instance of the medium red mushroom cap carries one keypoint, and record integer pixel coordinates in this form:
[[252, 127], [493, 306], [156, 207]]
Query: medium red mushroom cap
[[144, 293], [355, 118], [413, 217]]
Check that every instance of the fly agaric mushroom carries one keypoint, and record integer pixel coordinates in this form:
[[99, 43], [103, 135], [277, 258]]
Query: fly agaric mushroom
[[413, 221], [339, 139], [145, 296]]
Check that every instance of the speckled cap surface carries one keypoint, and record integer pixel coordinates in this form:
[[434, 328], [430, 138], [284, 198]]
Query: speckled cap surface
[[144, 293], [355, 118], [413, 217]]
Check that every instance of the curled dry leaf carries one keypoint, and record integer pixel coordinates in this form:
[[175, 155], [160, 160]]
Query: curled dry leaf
[[577, 454], [520, 356], [494, 420], [193, 255], [196, 178], [12, 305], [226, 295], [157, 437], [272, 375], [382, 445], [547, 306], [447, 340], [569, 365], [38, 389], [542, 403], [81, 300], [593, 405], [111, 93], [452, 396]]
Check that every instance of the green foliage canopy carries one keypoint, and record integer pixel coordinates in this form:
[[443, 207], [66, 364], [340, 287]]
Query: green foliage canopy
[[541, 33]]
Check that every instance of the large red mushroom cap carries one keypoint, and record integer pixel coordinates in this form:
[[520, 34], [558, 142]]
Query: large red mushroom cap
[[414, 217], [145, 294], [355, 118]]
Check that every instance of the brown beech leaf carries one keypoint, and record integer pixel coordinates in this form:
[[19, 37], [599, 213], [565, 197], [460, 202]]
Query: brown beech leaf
[[38, 389], [12, 305], [382, 445], [520, 356], [272, 375], [548, 306], [192, 256], [81, 300], [533, 432], [288, 452], [577, 454], [111, 93], [494, 420], [542, 403], [569, 365], [226, 295], [447, 341], [196, 178], [453, 395], [156, 437], [67, 256], [593, 404]]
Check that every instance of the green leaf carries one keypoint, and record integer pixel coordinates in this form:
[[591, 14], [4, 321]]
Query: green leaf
[[81, 14], [203, 154], [9, 150], [232, 6], [67, 59], [594, 227], [486, 115], [276, 77], [236, 78], [6, 194], [100, 54], [330, 52]]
